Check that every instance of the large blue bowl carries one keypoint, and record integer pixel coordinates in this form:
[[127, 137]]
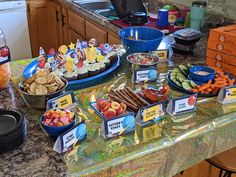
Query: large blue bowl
[[144, 39], [200, 78], [56, 131]]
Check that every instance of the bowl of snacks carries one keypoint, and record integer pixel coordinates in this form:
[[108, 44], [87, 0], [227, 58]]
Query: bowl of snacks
[[141, 39], [55, 122], [154, 94], [201, 74], [41, 87], [143, 59]]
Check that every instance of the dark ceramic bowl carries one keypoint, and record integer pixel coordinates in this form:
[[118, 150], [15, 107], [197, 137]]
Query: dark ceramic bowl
[[201, 78]]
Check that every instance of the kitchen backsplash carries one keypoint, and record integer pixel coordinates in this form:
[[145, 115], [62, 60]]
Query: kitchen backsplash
[[219, 11]]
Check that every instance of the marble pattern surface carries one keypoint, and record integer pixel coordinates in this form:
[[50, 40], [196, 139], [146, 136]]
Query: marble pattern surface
[[35, 158]]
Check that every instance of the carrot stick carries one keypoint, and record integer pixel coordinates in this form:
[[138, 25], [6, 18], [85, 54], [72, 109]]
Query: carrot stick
[[203, 87]]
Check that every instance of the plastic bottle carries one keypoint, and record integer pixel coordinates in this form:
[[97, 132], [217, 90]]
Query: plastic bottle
[[5, 71]]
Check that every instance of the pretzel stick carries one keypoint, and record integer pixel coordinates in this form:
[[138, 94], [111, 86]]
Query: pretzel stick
[[137, 97], [115, 94], [120, 100], [127, 98]]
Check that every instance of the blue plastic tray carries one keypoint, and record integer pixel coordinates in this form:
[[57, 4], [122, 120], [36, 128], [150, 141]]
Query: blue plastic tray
[[31, 69]]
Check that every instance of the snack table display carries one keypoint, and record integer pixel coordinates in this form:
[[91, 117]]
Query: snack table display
[[164, 148]]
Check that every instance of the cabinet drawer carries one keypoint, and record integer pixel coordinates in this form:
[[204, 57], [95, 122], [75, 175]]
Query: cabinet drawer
[[76, 23], [94, 31], [73, 36], [113, 38]]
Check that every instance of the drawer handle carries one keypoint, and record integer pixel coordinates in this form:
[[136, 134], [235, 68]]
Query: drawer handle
[[57, 16], [63, 20]]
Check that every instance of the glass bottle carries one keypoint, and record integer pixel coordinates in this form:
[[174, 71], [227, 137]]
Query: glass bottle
[[5, 71]]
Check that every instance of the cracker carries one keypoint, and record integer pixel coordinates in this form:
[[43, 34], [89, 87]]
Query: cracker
[[41, 80], [33, 87], [41, 90]]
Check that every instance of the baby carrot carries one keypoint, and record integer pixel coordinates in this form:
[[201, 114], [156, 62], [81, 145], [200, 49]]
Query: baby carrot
[[203, 87]]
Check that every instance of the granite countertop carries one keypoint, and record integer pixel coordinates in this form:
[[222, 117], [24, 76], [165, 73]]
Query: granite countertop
[[35, 158]]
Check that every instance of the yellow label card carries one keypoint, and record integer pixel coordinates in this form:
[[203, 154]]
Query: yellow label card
[[152, 112], [64, 101], [230, 94], [162, 54]]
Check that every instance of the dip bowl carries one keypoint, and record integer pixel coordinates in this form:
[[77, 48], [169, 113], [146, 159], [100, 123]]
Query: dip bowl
[[201, 74]]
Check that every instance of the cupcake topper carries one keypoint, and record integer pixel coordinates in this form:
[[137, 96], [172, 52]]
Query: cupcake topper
[[69, 65], [41, 51], [71, 46], [63, 49], [92, 42], [78, 45]]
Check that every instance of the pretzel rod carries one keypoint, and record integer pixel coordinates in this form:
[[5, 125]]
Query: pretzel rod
[[137, 97], [116, 94], [133, 100], [124, 97], [120, 100]]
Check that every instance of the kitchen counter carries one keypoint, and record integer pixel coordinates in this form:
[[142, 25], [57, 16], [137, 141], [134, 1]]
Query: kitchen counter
[[36, 157]]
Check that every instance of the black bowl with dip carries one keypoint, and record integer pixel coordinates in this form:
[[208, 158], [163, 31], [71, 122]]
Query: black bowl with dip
[[201, 74]]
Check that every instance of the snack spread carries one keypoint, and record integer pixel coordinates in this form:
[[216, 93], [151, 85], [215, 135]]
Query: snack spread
[[78, 61], [57, 118], [43, 82]]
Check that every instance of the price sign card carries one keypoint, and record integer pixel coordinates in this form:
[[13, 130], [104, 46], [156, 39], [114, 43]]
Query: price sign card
[[150, 114], [68, 139], [182, 105], [227, 95], [118, 125], [162, 54], [151, 132], [145, 75], [62, 101]]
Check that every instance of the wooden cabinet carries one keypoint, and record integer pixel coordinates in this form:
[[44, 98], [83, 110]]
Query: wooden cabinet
[[95, 31], [64, 24], [73, 36], [113, 38], [42, 19], [76, 23]]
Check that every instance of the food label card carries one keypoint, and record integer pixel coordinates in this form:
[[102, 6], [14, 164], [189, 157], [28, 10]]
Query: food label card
[[145, 75], [182, 105], [71, 137], [119, 125], [150, 113], [61, 102], [162, 54], [227, 95]]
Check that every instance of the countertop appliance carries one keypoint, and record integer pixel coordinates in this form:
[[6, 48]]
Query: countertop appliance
[[14, 24]]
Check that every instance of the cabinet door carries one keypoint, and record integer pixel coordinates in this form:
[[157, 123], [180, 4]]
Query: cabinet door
[[95, 31], [65, 26], [58, 17], [42, 26], [77, 23], [113, 38], [73, 36]]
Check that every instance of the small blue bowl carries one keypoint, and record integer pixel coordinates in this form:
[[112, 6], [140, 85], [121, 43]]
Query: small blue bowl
[[201, 78], [56, 131], [141, 39]]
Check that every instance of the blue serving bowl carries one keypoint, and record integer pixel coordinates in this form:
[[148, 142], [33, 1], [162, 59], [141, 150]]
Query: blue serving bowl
[[56, 131], [144, 39], [201, 78]]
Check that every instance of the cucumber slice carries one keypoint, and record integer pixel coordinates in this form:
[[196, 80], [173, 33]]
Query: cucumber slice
[[176, 70], [181, 79], [193, 84], [181, 75], [178, 83], [186, 85], [173, 74], [189, 65], [172, 78], [184, 69]]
